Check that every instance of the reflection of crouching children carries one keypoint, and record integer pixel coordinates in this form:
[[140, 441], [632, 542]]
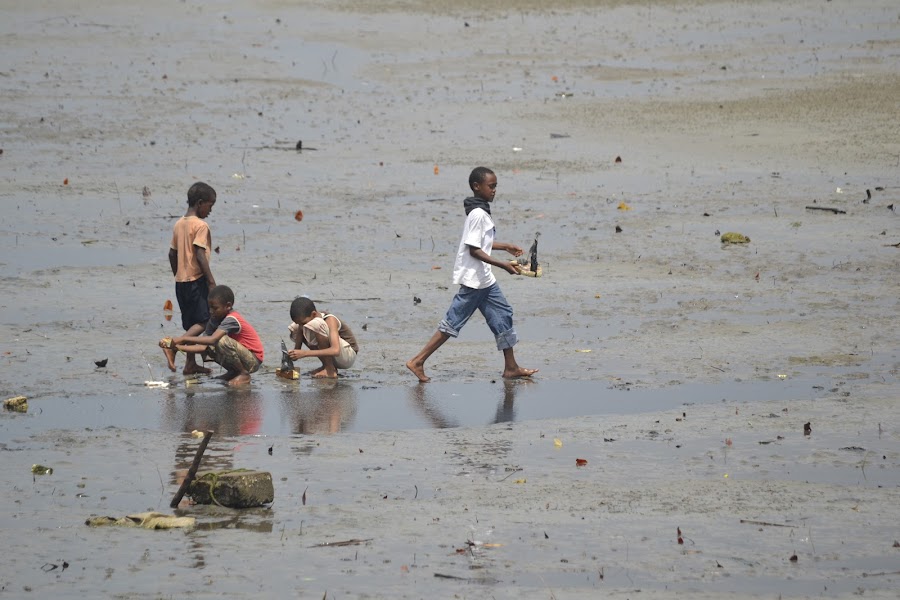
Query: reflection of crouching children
[[228, 339], [328, 339]]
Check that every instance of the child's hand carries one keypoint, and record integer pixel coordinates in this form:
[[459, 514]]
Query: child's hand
[[512, 268], [297, 354], [514, 250]]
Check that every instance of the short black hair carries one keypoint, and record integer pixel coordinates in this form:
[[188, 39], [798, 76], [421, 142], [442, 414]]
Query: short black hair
[[478, 175], [301, 307], [222, 293], [200, 191]]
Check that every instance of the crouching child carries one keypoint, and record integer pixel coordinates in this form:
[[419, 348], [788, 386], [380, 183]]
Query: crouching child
[[227, 339], [328, 339]]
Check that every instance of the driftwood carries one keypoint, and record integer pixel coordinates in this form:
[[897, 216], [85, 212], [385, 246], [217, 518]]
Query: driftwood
[[192, 471], [836, 211]]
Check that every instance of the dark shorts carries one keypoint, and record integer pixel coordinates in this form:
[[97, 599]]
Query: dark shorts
[[193, 300]]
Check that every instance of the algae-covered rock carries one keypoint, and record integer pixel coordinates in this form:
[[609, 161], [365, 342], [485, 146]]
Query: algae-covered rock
[[734, 238], [17, 403], [145, 520], [235, 489]]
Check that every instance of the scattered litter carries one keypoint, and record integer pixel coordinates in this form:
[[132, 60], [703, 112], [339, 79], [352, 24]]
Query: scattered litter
[[298, 216], [16, 403], [41, 470], [564, 94], [838, 191], [516, 149], [157, 384], [734, 238], [521, 481], [807, 428], [618, 159], [167, 310], [197, 433], [580, 462], [101, 363], [782, 376], [66, 181], [145, 520], [146, 194], [623, 206], [556, 136], [557, 442], [585, 350], [238, 176]]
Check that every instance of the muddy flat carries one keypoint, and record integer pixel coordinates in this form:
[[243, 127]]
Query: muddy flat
[[661, 451]]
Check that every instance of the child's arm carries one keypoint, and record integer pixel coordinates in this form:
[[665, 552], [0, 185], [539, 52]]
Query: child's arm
[[485, 257], [173, 260], [200, 253], [511, 248], [334, 343], [191, 338]]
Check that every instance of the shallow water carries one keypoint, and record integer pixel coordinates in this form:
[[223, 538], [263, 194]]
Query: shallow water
[[273, 407]]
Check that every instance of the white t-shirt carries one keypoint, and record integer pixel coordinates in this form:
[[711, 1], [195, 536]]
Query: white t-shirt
[[478, 231]]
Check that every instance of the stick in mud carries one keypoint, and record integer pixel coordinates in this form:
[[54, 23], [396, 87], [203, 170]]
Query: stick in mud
[[192, 471]]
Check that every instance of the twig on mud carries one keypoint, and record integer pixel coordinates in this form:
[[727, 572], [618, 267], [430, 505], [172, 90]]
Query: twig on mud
[[766, 523], [881, 573], [516, 470], [353, 542], [836, 211]]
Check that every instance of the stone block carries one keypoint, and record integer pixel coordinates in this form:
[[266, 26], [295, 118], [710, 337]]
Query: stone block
[[235, 489]]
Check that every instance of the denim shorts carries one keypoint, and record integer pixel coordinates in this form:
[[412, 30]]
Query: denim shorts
[[492, 304]]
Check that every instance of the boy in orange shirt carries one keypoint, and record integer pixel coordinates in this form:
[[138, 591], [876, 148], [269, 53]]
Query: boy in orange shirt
[[189, 255]]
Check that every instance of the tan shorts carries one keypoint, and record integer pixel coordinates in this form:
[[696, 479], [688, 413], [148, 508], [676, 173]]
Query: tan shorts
[[347, 356], [233, 355]]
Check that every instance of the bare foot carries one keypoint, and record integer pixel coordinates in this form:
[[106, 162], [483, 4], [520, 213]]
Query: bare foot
[[195, 369], [324, 374], [519, 372], [170, 356], [240, 379], [418, 369]]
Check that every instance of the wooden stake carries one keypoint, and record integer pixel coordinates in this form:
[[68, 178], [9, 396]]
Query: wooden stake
[[192, 471]]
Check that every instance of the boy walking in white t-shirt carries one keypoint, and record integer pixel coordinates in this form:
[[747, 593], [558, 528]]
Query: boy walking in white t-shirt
[[478, 289]]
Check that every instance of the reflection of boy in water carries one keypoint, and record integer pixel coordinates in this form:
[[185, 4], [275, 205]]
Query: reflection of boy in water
[[328, 339], [227, 339]]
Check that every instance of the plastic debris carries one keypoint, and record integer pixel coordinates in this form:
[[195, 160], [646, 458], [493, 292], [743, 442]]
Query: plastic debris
[[157, 384], [623, 206], [41, 470], [145, 520]]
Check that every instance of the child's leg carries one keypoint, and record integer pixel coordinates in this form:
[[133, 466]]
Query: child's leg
[[417, 363], [236, 359], [462, 307], [193, 300], [323, 341], [499, 316]]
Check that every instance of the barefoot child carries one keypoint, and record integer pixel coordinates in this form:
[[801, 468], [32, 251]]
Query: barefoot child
[[478, 286], [328, 339], [227, 339], [189, 257]]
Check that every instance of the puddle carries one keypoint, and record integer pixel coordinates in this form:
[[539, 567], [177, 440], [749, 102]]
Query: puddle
[[352, 406]]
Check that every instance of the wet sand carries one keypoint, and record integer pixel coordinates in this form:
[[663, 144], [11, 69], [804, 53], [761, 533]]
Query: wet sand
[[726, 117]]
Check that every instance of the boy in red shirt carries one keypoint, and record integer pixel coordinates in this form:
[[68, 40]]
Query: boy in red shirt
[[227, 339]]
